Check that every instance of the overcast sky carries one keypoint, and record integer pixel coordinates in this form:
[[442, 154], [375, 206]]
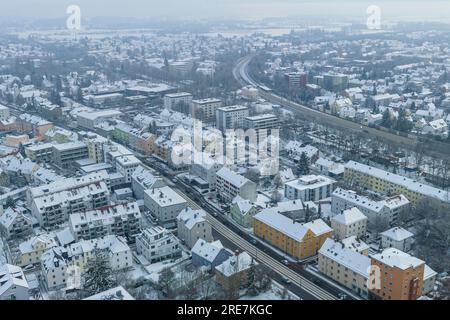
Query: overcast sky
[[239, 9]]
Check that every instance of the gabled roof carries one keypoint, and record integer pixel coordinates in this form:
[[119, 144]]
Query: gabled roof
[[11, 276], [207, 250]]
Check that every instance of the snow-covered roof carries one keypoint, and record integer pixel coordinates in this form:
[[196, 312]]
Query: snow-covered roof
[[190, 217], [232, 177], [349, 216], [405, 182], [396, 258], [310, 182], [207, 250], [236, 264], [117, 293], [397, 234], [165, 196], [289, 227], [354, 244], [11, 276], [349, 258]]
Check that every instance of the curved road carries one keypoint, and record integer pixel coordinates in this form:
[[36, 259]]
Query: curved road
[[240, 73]]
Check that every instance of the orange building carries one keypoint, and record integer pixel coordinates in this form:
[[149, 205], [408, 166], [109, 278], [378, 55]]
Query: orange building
[[399, 277], [298, 240]]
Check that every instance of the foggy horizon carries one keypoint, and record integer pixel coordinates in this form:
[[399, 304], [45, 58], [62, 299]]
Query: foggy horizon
[[434, 10]]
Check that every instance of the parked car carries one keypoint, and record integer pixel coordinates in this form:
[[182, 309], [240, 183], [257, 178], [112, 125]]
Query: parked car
[[286, 280]]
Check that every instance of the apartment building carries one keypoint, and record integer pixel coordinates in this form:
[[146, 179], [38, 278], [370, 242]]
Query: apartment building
[[209, 254], [164, 204], [397, 238], [309, 188], [192, 225], [51, 204], [356, 245], [136, 139], [38, 126], [90, 120], [301, 241], [13, 284], [31, 250], [242, 211], [173, 100], [386, 182], [157, 244], [42, 152], [58, 263], [126, 166], [351, 222], [231, 117], [388, 209], [143, 179], [345, 266], [396, 275], [230, 184], [207, 171], [205, 109], [95, 144], [14, 223], [121, 219], [64, 154]]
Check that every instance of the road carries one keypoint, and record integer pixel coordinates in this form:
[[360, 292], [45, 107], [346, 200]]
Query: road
[[218, 222], [435, 148], [306, 288]]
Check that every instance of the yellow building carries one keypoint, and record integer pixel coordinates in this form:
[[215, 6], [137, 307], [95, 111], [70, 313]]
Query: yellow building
[[386, 182], [32, 249], [298, 240]]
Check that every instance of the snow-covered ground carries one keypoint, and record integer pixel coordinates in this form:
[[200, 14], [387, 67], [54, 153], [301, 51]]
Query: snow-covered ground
[[274, 293]]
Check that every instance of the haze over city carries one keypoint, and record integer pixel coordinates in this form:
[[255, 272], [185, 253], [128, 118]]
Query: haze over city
[[232, 157]]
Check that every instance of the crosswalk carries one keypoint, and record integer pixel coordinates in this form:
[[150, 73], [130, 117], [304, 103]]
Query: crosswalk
[[262, 257]]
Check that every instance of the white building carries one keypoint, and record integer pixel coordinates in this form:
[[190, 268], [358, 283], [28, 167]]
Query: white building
[[64, 154], [345, 266], [14, 223], [157, 244], [351, 222], [56, 263], [171, 100], [388, 209], [32, 249], [192, 225], [309, 188], [231, 117], [207, 171], [51, 204], [121, 219], [143, 179], [230, 184], [4, 113], [13, 284], [356, 245], [164, 204], [90, 120], [114, 294], [205, 109], [126, 166], [397, 238]]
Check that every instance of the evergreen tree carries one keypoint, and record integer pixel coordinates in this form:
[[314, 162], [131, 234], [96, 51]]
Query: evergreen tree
[[10, 202], [386, 121], [303, 164], [98, 276]]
